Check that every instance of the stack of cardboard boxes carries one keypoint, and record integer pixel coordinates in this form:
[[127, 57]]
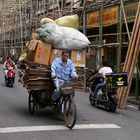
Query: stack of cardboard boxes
[[78, 58], [42, 53], [39, 52]]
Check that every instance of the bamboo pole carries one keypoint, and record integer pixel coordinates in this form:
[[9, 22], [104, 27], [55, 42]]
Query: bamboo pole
[[131, 71], [122, 5], [71, 9], [129, 53], [131, 58], [21, 28], [137, 83], [53, 10], [4, 29], [130, 74], [59, 10], [100, 34], [119, 38], [132, 45]]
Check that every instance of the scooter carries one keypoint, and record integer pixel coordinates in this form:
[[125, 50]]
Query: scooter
[[106, 98], [10, 79]]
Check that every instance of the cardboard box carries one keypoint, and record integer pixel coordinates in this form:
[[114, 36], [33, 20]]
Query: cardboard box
[[31, 49], [35, 36], [40, 52], [55, 53], [78, 58], [32, 44]]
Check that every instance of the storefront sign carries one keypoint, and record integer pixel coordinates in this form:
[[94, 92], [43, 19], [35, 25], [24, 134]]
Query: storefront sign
[[110, 16], [130, 11], [93, 19]]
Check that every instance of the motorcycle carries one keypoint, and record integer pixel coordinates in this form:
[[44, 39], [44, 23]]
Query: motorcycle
[[106, 98], [64, 104], [10, 79]]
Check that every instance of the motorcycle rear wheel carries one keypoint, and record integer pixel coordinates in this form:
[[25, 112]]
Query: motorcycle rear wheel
[[91, 100], [112, 106], [31, 104], [70, 113], [11, 83]]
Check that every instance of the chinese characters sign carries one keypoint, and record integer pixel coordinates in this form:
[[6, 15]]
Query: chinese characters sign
[[110, 16]]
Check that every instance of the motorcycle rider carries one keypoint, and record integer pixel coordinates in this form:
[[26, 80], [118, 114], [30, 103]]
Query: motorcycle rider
[[102, 71], [9, 63], [62, 69]]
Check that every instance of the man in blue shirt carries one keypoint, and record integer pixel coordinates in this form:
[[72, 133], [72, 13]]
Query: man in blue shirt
[[62, 69]]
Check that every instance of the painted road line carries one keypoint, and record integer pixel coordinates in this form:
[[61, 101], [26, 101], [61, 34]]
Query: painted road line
[[132, 106], [55, 127]]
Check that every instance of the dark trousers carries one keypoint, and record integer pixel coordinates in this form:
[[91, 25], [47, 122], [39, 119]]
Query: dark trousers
[[98, 86]]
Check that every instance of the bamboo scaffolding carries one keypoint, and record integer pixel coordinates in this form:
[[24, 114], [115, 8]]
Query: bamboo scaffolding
[[130, 52], [131, 58], [25, 8], [126, 90]]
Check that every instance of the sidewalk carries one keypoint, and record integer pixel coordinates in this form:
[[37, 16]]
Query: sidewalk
[[132, 100]]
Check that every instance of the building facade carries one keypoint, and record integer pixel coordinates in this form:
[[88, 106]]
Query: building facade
[[103, 22]]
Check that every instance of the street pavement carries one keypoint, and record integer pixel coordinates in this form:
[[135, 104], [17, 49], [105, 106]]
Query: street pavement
[[46, 124]]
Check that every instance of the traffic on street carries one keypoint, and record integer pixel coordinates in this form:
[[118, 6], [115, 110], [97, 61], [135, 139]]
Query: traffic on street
[[92, 123], [69, 69]]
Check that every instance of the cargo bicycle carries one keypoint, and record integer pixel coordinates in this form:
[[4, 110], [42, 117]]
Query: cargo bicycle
[[64, 104]]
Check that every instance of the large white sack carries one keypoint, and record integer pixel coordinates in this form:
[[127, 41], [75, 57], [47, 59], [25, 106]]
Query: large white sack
[[63, 37], [46, 31], [50, 33]]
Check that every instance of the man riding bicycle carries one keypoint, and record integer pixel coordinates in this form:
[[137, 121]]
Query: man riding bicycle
[[62, 69]]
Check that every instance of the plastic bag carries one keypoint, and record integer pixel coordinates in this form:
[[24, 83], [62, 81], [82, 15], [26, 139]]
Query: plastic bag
[[68, 21], [23, 56], [46, 20], [63, 37], [24, 52], [49, 33]]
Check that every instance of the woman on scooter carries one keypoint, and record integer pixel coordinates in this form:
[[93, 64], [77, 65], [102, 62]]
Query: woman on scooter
[[8, 64]]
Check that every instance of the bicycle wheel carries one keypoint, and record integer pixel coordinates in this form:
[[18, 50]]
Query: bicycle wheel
[[31, 103], [70, 113]]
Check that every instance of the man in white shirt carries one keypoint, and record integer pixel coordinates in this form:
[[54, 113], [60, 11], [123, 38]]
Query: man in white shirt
[[103, 71]]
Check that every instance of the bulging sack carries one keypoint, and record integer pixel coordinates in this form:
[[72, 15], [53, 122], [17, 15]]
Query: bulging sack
[[46, 20], [68, 21], [50, 33], [63, 37]]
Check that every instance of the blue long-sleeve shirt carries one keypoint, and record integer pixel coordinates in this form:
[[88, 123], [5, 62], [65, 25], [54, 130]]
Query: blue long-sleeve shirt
[[61, 70]]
